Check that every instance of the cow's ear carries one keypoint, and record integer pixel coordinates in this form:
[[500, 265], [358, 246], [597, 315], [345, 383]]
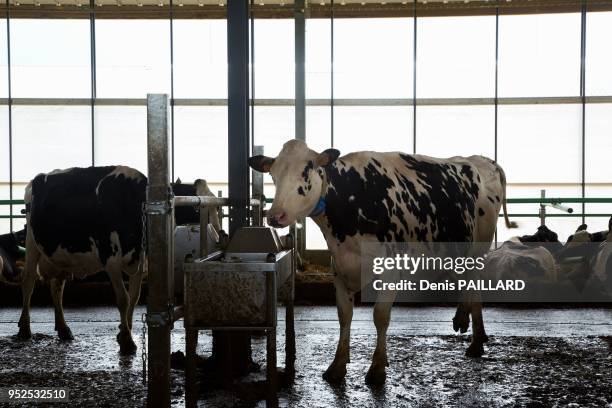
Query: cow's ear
[[261, 163], [327, 157]]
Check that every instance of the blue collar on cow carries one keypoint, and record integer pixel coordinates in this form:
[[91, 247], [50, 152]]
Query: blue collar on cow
[[319, 208]]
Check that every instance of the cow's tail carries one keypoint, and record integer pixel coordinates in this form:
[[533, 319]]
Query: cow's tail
[[502, 177]]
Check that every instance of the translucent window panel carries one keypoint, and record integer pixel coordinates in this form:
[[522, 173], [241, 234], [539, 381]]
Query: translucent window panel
[[46, 138], [200, 143], [600, 190], [456, 57], [121, 136], [50, 58], [318, 127], [273, 126], [539, 55], [563, 226], [132, 58], [598, 143], [18, 194], [4, 168], [314, 236], [274, 58], [200, 58], [540, 143], [3, 60], [598, 56], [373, 58], [377, 128], [445, 131], [318, 58], [4, 146]]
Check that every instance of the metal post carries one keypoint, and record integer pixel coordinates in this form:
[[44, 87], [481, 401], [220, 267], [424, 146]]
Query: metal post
[[257, 189], [300, 98], [233, 349], [160, 247], [542, 212], [271, 370], [238, 112]]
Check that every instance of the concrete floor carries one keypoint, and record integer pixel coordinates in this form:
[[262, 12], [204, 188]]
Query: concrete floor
[[534, 358]]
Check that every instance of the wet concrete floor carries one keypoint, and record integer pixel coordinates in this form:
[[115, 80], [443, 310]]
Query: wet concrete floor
[[549, 357]]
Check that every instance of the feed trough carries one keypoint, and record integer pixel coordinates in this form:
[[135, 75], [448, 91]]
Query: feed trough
[[239, 289]]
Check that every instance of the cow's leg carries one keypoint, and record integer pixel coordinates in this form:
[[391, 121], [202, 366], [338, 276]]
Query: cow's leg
[[135, 283], [344, 303], [27, 285], [479, 336], [124, 338], [461, 321], [382, 315], [57, 292]]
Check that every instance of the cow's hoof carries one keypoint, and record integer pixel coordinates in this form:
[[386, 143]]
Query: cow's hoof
[[461, 321], [65, 334], [334, 374], [376, 375], [126, 344], [475, 350], [24, 333]]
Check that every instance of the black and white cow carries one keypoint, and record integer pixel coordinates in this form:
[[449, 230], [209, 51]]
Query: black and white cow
[[11, 256], [82, 221], [385, 197]]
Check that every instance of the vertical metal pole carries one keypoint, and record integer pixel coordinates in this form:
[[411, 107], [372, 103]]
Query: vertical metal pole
[[271, 370], [10, 109], [172, 88], [300, 97], [414, 77], [257, 188], [160, 239], [583, 23], [252, 54], [92, 51], [331, 99], [300, 71], [542, 208], [496, 100], [238, 112]]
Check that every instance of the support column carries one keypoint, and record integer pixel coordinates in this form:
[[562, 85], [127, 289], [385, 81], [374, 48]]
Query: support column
[[300, 98], [160, 248], [232, 350], [238, 112]]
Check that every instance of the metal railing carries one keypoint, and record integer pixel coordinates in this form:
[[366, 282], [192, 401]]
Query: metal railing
[[540, 200]]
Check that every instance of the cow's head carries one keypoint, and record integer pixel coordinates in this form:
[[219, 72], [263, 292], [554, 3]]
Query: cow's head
[[298, 178]]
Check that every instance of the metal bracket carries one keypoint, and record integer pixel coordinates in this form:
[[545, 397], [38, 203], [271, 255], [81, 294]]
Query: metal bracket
[[158, 207], [159, 319]]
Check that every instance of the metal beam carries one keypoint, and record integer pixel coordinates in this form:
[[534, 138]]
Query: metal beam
[[300, 96], [535, 100], [160, 253], [238, 112]]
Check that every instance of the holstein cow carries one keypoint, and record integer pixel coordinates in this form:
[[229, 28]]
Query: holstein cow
[[82, 221], [11, 255], [384, 197]]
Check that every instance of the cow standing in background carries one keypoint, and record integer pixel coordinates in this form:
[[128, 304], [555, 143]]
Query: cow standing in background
[[82, 221], [11, 255], [385, 197]]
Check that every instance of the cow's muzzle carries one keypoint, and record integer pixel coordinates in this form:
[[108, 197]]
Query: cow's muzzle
[[278, 219]]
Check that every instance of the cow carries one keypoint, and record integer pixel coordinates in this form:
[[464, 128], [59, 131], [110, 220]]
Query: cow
[[82, 221], [543, 234], [385, 197], [11, 255], [517, 260]]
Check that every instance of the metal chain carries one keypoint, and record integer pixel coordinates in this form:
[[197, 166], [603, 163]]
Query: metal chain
[[143, 345]]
